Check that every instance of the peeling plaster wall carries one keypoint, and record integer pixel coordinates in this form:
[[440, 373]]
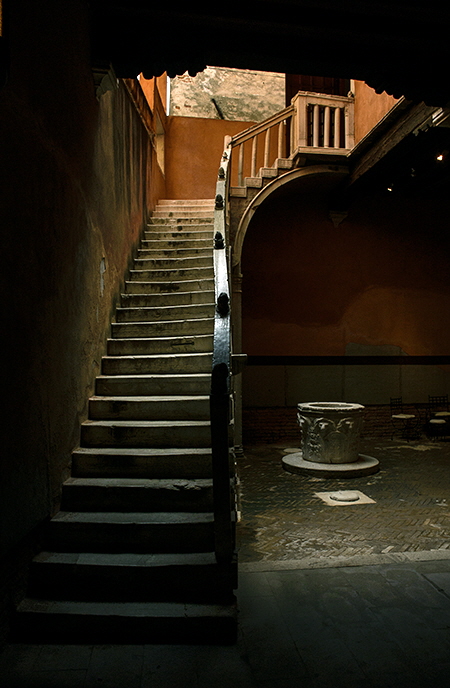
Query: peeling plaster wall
[[240, 94], [77, 183]]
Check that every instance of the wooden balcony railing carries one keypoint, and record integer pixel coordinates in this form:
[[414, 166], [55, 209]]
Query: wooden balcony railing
[[314, 122]]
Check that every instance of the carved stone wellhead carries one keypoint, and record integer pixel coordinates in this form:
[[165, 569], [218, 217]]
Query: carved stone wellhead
[[330, 431]]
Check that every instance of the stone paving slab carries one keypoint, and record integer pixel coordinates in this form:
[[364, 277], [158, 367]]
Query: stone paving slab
[[380, 626], [283, 519]]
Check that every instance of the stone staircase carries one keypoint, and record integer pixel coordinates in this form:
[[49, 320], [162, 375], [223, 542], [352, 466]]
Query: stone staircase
[[130, 556]]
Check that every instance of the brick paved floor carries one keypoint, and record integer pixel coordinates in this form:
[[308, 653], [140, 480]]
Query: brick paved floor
[[282, 518]]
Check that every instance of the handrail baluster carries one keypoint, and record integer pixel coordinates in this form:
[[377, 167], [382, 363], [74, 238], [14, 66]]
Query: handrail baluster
[[254, 154], [267, 148]]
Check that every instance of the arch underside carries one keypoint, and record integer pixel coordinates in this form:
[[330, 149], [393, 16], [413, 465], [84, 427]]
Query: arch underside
[[316, 177]]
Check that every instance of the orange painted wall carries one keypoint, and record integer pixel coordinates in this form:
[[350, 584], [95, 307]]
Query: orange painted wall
[[193, 150], [380, 278], [149, 86], [370, 107]]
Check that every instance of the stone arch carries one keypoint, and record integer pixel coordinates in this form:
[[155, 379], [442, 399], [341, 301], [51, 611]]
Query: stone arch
[[317, 172]]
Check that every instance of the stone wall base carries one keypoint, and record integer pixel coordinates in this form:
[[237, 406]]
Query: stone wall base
[[273, 424]]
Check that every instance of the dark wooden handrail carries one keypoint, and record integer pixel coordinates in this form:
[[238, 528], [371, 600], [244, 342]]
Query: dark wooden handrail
[[220, 378]]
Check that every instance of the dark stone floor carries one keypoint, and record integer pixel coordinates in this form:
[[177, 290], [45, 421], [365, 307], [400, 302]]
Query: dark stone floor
[[283, 519], [329, 596]]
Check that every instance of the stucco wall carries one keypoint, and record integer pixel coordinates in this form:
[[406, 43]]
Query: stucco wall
[[376, 285], [370, 107], [194, 147], [77, 179], [239, 94]]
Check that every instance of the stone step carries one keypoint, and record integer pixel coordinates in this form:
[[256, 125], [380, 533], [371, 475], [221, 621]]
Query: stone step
[[161, 299], [137, 494], [191, 234], [175, 275], [173, 253], [147, 286], [92, 576], [188, 202], [175, 328], [180, 220], [165, 313], [153, 242], [47, 621], [158, 532], [149, 408], [173, 263], [145, 433], [149, 385], [160, 345], [183, 213], [147, 462], [158, 364]]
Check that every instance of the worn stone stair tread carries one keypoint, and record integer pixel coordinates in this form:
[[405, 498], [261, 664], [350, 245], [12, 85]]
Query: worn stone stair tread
[[181, 243], [153, 462], [149, 384], [159, 313], [154, 357], [168, 308], [175, 274], [147, 423], [126, 609], [147, 483], [134, 286], [169, 262], [203, 295], [127, 559], [145, 345], [157, 377], [200, 341], [144, 252], [140, 517], [143, 451], [179, 356], [159, 399], [176, 339], [184, 321]]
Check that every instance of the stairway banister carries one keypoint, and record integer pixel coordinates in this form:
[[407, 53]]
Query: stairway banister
[[221, 373], [261, 127]]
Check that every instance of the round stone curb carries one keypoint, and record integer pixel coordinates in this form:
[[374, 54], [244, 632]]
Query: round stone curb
[[365, 465]]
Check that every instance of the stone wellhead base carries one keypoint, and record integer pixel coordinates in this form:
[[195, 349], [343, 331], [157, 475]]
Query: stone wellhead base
[[364, 465]]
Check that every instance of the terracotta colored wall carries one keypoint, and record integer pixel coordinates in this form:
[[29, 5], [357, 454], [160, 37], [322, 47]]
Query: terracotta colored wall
[[381, 278], [370, 107], [77, 181], [149, 86], [193, 150]]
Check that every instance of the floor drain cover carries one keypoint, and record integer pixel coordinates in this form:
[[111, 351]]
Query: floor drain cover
[[344, 497]]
